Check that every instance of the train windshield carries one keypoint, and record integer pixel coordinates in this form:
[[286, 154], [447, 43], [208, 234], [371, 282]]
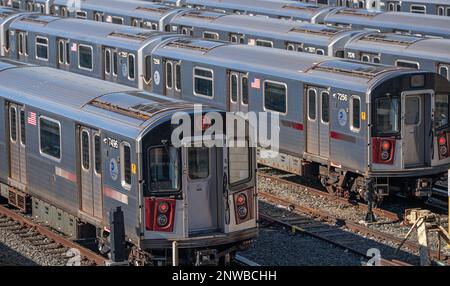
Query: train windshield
[[387, 115], [164, 169], [441, 111]]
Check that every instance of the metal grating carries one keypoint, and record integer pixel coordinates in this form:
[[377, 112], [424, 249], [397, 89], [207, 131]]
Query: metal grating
[[351, 68], [329, 31], [301, 8], [120, 110], [191, 44], [160, 9], [360, 13], [36, 19], [391, 38], [203, 15], [125, 35]]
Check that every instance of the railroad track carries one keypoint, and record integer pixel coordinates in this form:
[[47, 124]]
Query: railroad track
[[334, 232], [243, 261], [50, 242]]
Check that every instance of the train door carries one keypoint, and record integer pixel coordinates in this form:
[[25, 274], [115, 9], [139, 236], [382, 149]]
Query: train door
[[413, 129], [110, 64], [318, 121], [17, 141], [172, 72], [238, 91], [91, 171], [202, 194], [63, 54]]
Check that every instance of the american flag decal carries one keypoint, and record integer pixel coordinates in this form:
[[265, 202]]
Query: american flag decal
[[32, 118], [256, 83]]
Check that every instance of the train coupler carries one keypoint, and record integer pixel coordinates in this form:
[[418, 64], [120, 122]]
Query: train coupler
[[207, 257], [424, 187]]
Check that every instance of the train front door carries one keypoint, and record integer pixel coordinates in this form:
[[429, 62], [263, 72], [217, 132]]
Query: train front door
[[90, 155], [202, 192], [238, 91], [318, 121], [17, 141], [413, 129]]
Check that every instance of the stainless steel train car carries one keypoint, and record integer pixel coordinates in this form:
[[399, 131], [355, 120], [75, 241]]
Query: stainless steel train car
[[73, 149], [432, 7]]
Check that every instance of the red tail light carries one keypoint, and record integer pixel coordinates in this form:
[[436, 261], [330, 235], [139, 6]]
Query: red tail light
[[243, 206], [159, 214], [443, 145], [383, 150]]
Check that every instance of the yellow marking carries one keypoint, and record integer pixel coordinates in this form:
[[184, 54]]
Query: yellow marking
[[363, 116], [133, 168]]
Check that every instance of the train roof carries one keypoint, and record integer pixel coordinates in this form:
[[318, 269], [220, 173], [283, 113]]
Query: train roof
[[345, 74], [96, 32], [437, 2], [418, 47], [259, 26], [425, 24], [132, 8], [90, 101], [6, 12]]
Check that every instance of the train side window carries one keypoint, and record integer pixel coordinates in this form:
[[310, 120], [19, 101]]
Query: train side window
[[407, 64], [365, 58], [148, 69], [325, 106], [7, 40], [234, 88], [131, 67], [320, 52], [115, 63], [169, 67], [107, 62], [203, 82], [97, 154], [441, 11], [81, 15], [178, 76], [239, 159], [98, 17], [275, 96], [164, 169], [233, 39], [85, 150], [210, 36], [61, 51], [67, 53], [117, 20], [198, 158], [41, 48], [13, 123], [376, 60], [125, 161], [264, 43], [391, 7], [447, 13], [290, 47], [50, 138], [20, 44], [418, 9], [355, 113], [244, 90], [85, 57], [398, 7], [444, 71], [135, 23], [23, 136], [312, 97]]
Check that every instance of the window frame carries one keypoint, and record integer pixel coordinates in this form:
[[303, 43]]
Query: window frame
[[439, 9], [215, 35], [92, 57], [231, 87], [307, 103], [117, 18], [169, 63], [85, 131], [414, 7], [97, 172], [321, 107], [263, 41], [264, 96], [177, 77], [40, 136], [180, 171], [241, 86], [40, 44], [125, 185], [129, 66], [250, 161], [13, 107], [194, 76], [148, 67], [22, 127], [108, 60], [444, 66], [407, 62], [322, 52], [209, 165], [351, 113], [81, 14]]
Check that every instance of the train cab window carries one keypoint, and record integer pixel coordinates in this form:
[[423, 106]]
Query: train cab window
[[244, 90], [49, 138], [178, 76], [23, 137], [203, 82], [169, 75], [97, 154], [355, 113], [239, 160], [85, 156], [164, 169], [85, 57], [418, 9], [210, 36], [131, 66], [441, 111], [387, 115], [117, 20], [125, 162], [13, 123], [42, 48], [198, 159], [407, 64], [444, 71], [81, 15], [148, 69], [325, 106], [264, 43], [275, 96], [107, 61], [234, 88]]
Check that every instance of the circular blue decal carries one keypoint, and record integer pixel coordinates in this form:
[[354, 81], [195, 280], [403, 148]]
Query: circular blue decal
[[113, 169]]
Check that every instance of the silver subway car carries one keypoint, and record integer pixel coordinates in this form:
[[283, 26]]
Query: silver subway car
[[432, 7], [73, 149]]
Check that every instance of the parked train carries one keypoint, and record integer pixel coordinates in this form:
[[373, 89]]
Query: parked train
[[341, 121], [74, 148], [156, 16]]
